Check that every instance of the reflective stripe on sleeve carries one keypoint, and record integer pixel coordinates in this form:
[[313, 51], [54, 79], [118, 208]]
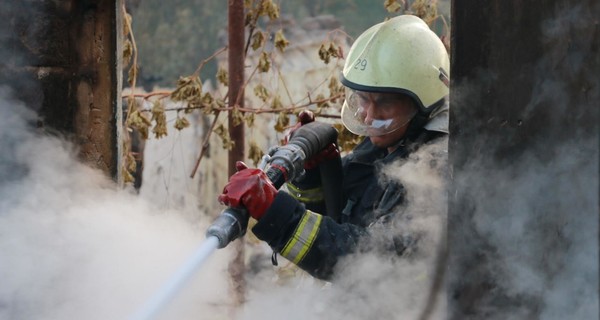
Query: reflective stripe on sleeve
[[303, 238], [309, 195]]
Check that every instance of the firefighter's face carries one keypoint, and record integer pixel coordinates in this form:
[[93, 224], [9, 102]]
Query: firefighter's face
[[396, 109]]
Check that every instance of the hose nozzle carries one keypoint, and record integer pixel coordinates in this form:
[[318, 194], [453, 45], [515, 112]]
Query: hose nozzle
[[229, 225]]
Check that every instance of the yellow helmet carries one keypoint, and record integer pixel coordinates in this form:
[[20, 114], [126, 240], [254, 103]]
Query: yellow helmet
[[400, 55]]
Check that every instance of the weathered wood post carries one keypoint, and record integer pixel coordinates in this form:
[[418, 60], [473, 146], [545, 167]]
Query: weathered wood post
[[63, 58]]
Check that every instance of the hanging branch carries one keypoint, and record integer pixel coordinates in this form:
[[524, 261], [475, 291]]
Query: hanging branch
[[189, 89], [205, 145]]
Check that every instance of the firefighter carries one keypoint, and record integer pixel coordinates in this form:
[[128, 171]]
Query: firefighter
[[396, 77]]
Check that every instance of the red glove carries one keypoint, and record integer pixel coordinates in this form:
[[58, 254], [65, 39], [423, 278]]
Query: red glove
[[249, 188]]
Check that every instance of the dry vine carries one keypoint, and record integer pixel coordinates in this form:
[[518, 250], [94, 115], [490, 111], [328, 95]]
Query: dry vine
[[190, 94]]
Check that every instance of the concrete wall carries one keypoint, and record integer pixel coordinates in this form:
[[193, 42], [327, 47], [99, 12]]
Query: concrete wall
[[60, 58], [524, 204]]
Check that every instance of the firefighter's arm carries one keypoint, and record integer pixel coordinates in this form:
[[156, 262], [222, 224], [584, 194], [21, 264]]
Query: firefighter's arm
[[310, 240]]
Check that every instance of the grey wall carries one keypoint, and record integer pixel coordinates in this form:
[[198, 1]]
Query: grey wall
[[524, 201]]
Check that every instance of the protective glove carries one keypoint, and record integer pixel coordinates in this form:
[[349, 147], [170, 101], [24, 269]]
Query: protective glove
[[249, 188]]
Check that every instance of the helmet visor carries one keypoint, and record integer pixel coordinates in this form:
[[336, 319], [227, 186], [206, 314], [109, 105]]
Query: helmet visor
[[375, 114]]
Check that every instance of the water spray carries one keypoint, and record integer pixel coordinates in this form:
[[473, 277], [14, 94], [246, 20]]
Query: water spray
[[284, 163]]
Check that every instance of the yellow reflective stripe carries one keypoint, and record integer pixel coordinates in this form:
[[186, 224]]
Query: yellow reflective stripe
[[303, 238], [309, 195]]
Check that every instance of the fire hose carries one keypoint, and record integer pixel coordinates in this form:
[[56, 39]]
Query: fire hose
[[284, 163]]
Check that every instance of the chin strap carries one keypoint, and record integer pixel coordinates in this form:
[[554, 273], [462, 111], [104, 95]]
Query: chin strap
[[415, 126], [422, 118]]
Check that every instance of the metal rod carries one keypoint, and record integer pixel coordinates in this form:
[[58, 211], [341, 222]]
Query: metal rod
[[236, 35]]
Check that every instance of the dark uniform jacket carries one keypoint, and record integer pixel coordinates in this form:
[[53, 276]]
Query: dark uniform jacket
[[314, 241]]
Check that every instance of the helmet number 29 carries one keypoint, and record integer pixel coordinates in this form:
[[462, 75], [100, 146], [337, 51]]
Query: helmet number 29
[[361, 64]]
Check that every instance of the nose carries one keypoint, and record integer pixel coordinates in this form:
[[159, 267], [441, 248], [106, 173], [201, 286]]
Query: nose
[[368, 112]]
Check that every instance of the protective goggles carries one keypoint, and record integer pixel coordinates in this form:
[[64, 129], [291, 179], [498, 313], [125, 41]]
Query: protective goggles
[[374, 114]]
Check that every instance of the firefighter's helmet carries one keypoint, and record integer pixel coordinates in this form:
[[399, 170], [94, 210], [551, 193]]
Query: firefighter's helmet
[[400, 55]]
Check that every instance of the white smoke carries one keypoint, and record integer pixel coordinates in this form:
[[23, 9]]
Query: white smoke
[[375, 285], [75, 246], [524, 227]]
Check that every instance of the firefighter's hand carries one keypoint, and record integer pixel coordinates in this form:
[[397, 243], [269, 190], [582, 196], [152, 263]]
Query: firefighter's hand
[[304, 117], [249, 188]]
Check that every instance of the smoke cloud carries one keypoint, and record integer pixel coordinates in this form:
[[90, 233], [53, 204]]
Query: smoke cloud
[[75, 246], [374, 285], [524, 221]]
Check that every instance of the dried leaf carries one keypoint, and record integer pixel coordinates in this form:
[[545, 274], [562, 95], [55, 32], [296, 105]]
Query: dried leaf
[[130, 163], [181, 123], [425, 9], [127, 176], [192, 105], [274, 12], [321, 101], [258, 40], [127, 52], [255, 153], [237, 116], [280, 41], [249, 19], [392, 5], [264, 64], [335, 88], [283, 120], [269, 9], [188, 89], [333, 85], [223, 133], [333, 50], [324, 54], [139, 122], [160, 119], [276, 103], [261, 92], [208, 103], [223, 76], [249, 118], [346, 139], [207, 99], [132, 75]]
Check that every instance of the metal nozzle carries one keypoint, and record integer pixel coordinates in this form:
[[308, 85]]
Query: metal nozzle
[[229, 225]]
